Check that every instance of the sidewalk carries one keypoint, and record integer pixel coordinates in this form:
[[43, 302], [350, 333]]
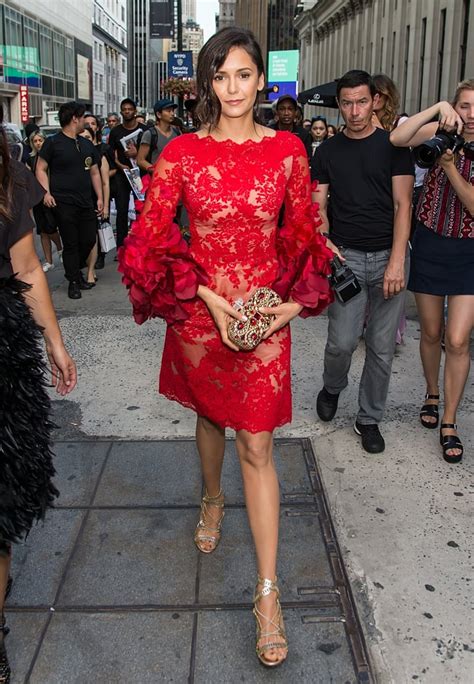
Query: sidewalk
[[402, 518]]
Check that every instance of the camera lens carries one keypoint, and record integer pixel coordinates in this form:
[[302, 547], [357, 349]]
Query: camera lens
[[427, 153]]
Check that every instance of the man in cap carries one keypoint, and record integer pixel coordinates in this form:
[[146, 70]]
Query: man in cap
[[286, 111], [154, 140]]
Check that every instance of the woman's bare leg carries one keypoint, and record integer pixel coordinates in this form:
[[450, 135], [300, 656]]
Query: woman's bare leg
[[55, 237], [91, 259], [47, 249], [210, 440], [430, 311], [262, 498], [456, 371]]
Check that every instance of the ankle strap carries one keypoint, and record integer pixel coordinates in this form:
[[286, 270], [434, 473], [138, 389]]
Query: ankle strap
[[216, 500], [431, 396], [450, 426], [268, 586]]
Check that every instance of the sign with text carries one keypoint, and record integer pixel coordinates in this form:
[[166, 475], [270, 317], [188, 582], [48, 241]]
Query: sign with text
[[24, 104], [180, 64], [161, 19], [283, 72]]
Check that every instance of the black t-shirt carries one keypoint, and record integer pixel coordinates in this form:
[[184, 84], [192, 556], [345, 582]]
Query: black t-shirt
[[301, 133], [27, 192], [104, 150], [116, 135], [359, 174], [69, 163]]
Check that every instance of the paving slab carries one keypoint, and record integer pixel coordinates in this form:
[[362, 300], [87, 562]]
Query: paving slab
[[38, 564], [77, 470], [225, 651], [228, 575], [150, 473], [25, 634], [130, 557], [115, 647]]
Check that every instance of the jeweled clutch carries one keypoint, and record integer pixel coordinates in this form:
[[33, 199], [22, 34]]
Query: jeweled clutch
[[246, 335]]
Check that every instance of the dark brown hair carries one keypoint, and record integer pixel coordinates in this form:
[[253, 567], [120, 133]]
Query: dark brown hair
[[385, 86], [211, 57], [6, 186]]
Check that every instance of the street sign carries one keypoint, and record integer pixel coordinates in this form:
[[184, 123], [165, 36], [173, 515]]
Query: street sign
[[283, 72], [180, 64], [24, 104]]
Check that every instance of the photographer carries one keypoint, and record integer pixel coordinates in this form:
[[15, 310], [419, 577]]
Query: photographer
[[443, 252]]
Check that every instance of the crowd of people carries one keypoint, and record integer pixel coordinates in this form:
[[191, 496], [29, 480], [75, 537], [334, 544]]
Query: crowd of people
[[269, 206]]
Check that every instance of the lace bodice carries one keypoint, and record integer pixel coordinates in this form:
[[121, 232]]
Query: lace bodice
[[234, 195]]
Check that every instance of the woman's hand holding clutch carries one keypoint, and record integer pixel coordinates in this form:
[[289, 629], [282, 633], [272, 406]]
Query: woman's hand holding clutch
[[283, 313], [221, 311]]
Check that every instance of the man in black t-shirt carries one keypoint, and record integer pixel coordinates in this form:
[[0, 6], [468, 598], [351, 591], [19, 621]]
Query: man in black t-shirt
[[124, 159], [286, 111], [68, 169], [370, 184]]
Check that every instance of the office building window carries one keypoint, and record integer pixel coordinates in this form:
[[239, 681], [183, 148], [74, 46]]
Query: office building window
[[422, 61], [46, 49], [13, 39], [442, 31], [58, 55]]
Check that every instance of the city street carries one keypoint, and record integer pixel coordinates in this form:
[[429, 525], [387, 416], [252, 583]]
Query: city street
[[112, 588]]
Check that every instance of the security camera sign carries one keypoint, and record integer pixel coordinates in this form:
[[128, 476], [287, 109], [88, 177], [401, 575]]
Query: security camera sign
[[180, 64]]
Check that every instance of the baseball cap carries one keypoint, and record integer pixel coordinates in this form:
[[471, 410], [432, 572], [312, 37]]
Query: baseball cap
[[287, 97], [163, 104]]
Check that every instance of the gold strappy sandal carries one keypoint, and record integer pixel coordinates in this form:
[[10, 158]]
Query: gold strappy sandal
[[275, 622], [215, 538]]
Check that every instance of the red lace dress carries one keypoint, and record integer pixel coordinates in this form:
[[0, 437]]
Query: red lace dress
[[233, 194]]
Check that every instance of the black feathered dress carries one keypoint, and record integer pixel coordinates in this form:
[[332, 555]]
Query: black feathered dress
[[26, 464]]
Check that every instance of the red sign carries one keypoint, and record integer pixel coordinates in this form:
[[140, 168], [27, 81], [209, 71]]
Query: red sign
[[24, 104]]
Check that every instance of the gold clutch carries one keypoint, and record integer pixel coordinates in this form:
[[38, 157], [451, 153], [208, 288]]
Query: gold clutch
[[246, 335]]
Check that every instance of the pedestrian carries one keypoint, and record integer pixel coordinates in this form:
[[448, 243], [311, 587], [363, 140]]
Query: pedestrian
[[443, 258], [370, 183], [386, 102], [112, 120], [125, 158], [26, 314], [286, 109], [96, 255], [319, 132], [154, 140], [233, 175], [30, 128], [332, 130], [68, 169], [307, 124], [45, 221]]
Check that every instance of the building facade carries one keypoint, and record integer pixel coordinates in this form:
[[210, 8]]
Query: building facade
[[282, 34], [188, 10], [425, 46], [253, 15], [110, 55], [46, 48], [226, 16], [193, 38]]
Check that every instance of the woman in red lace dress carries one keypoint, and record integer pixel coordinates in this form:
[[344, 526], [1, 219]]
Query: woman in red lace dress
[[233, 177]]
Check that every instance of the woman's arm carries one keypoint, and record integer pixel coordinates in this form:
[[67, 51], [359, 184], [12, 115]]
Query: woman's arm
[[420, 127], [27, 267]]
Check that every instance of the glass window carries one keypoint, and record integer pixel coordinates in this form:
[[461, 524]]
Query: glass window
[[13, 39], [31, 43], [46, 49], [58, 54], [69, 59]]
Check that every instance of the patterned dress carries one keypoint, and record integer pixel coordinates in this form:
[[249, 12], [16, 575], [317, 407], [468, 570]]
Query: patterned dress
[[233, 194]]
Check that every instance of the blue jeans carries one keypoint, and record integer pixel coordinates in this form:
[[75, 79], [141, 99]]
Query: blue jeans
[[346, 323]]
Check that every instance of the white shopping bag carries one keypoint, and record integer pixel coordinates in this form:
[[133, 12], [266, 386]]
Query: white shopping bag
[[106, 237]]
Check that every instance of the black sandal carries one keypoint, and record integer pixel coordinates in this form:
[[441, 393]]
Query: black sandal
[[450, 442], [430, 410]]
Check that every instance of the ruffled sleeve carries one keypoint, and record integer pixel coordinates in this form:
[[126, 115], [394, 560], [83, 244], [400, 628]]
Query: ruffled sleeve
[[302, 253], [157, 267]]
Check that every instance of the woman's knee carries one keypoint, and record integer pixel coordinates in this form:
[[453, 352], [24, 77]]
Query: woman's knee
[[432, 334], [255, 450], [209, 427], [456, 343]]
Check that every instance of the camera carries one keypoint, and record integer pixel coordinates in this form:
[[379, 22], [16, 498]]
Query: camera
[[343, 281], [428, 152]]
